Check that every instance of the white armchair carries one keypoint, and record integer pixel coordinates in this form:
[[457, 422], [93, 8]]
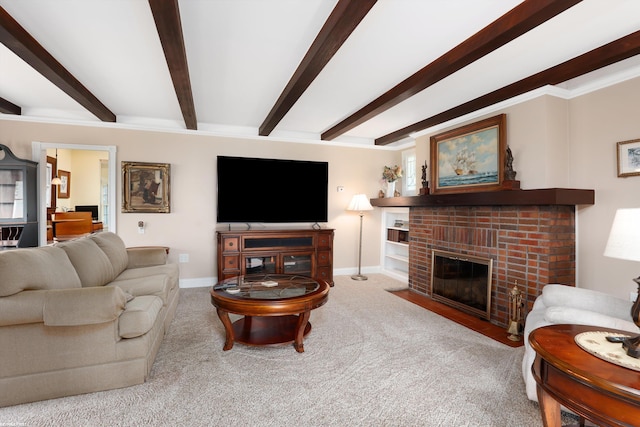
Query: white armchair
[[561, 304]]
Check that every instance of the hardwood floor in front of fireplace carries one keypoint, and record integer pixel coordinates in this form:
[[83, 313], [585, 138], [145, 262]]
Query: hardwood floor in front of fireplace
[[482, 326]]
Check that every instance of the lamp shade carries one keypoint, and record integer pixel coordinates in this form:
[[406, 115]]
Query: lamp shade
[[624, 238], [56, 181], [360, 202]]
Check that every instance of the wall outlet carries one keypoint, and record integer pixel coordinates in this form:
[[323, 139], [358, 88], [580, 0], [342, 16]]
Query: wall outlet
[[633, 296], [183, 258], [140, 227], [340, 188]]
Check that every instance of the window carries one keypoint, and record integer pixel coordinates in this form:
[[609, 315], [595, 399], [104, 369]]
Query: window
[[409, 176]]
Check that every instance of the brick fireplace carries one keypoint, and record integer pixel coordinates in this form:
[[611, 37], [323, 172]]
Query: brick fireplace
[[529, 235]]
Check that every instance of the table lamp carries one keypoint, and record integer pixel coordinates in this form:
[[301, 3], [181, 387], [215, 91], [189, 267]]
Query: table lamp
[[360, 203], [624, 243]]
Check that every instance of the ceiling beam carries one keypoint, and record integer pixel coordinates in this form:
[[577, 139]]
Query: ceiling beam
[[20, 42], [166, 15], [618, 50], [344, 18], [7, 107], [519, 20]]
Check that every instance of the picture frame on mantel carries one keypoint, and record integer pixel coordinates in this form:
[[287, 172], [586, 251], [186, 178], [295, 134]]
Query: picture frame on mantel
[[469, 158], [628, 154], [146, 187], [64, 189]]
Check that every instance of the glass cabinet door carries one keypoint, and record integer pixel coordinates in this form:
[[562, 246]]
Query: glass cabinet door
[[12, 203], [297, 264], [260, 264]]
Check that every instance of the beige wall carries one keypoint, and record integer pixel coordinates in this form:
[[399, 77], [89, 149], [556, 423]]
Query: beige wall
[[190, 227], [555, 142]]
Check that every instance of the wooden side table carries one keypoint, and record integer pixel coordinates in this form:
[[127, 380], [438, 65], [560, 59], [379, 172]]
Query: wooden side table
[[596, 390]]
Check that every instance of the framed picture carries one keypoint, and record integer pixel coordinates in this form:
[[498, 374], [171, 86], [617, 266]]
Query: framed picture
[[628, 153], [64, 189], [145, 187], [469, 158]]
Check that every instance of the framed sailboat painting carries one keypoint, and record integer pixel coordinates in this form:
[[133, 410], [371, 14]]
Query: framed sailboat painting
[[469, 158]]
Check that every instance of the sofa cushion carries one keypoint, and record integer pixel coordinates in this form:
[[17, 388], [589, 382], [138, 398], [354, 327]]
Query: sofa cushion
[[169, 270], [91, 263], [45, 267], [156, 285], [115, 249], [139, 316]]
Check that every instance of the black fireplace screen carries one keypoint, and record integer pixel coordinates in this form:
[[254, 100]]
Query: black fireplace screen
[[462, 281]]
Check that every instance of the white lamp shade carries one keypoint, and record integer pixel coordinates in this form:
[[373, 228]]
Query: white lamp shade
[[624, 238], [56, 181], [360, 202]]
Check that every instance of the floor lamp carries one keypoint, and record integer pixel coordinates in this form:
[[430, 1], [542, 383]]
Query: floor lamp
[[624, 243], [360, 203]]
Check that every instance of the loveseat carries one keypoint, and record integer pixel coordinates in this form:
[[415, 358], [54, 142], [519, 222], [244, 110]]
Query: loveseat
[[81, 316], [561, 304]]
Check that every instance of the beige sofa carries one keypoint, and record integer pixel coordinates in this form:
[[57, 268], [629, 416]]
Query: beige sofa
[[81, 316]]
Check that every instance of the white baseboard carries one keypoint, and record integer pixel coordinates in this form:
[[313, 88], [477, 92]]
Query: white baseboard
[[200, 282]]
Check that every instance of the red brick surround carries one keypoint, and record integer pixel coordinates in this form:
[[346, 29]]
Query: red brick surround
[[533, 245]]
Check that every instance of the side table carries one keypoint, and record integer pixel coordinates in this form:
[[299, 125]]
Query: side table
[[596, 390]]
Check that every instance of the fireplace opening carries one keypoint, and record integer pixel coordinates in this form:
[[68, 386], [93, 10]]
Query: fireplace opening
[[462, 281]]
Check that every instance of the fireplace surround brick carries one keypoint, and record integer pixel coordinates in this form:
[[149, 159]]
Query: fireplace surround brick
[[530, 245]]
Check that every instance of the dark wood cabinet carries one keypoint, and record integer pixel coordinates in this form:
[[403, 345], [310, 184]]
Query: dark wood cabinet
[[18, 201], [303, 252]]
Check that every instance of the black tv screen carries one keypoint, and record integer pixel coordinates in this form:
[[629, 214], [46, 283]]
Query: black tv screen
[[255, 190], [88, 208]]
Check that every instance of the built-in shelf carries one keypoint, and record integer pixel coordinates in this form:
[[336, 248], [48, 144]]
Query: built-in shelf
[[395, 243], [545, 196]]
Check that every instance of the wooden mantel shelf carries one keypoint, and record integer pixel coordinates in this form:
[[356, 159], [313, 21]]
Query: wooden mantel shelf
[[545, 196]]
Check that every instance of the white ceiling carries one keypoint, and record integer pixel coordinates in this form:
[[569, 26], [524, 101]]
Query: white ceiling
[[242, 53]]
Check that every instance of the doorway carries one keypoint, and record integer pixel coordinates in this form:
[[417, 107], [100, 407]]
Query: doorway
[[108, 188]]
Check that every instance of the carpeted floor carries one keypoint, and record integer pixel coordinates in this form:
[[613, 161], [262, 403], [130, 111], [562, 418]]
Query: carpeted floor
[[372, 359]]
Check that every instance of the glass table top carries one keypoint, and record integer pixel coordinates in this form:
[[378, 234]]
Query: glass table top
[[267, 286]]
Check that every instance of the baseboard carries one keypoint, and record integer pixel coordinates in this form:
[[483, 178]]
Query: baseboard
[[199, 282]]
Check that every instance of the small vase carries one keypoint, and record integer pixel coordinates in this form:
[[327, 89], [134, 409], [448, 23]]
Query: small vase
[[391, 188]]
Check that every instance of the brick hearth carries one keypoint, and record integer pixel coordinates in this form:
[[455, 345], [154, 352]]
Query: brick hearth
[[533, 245]]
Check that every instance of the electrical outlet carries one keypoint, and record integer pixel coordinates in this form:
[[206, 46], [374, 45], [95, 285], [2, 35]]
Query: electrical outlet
[[340, 188], [183, 258], [633, 296]]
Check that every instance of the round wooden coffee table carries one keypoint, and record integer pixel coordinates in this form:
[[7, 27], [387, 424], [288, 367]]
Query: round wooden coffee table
[[276, 308]]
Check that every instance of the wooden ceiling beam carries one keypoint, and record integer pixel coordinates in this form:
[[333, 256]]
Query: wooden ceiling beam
[[20, 42], [344, 18], [618, 50], [166, 15], [519, 20], [7, 107]]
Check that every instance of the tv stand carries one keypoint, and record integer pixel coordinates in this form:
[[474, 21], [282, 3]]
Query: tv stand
[[303, 252]]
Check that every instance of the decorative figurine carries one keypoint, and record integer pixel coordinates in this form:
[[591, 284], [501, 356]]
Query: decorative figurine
[[509, 173], [425, 184]]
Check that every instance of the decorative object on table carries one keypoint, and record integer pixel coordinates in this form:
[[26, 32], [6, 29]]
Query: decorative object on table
[[381, 194], [360, 203], [469, 158], [515, 313], [425, 183], [145, 187], [509, 182], [64, 189], [628, 153], [624, 243], [390, 175]]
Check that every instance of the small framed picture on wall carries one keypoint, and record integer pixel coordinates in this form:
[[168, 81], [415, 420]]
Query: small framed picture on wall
[[628, 153]]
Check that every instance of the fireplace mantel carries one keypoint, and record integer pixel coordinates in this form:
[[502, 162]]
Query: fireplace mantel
[[539, 197]]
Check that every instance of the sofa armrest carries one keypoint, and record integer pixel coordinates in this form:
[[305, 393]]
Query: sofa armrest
[[555, 295], [576, 316], [22, 308], [146, 256], [84, 306]]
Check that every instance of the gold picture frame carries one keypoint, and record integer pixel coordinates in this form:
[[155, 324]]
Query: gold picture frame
[[628, 154], [146, 187], [64, 189], [469, 158]]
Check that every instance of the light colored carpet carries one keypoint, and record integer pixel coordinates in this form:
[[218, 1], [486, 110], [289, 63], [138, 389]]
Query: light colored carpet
[[371, 359]]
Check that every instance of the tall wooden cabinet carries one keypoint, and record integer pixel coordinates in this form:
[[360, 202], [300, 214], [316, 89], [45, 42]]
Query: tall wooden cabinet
[[18, 201], [304, 252]]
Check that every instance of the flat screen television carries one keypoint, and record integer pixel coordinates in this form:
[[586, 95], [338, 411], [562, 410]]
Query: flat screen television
[[88, 208], [257, 190]]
